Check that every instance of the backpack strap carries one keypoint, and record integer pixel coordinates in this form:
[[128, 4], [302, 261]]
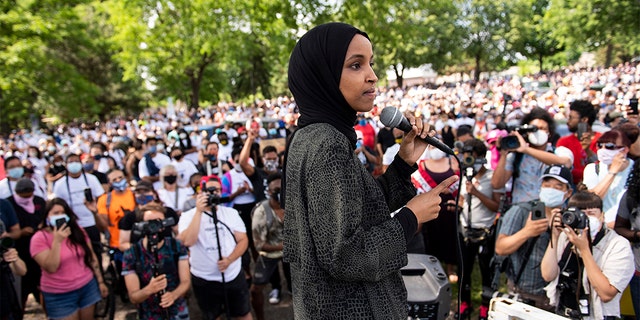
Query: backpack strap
[[268, 212]]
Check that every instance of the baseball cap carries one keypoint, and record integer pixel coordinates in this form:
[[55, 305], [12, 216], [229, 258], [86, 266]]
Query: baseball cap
[[559, 173], [24, 185]]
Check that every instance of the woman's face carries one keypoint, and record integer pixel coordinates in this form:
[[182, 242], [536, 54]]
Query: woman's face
[[56, 210], [358, 80]]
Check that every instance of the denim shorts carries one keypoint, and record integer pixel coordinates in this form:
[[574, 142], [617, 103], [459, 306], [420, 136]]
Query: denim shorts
[[61, 305]]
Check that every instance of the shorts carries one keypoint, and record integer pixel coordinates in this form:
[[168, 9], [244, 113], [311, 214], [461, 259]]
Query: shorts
[[265, 267], [211, 296], [61, 305]]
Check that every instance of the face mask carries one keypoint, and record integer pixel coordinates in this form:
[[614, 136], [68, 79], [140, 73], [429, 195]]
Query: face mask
[[213, 157], [97, 157], [224, 142], [436, 154], [551, 197], [183, 136], [51, 149], [87, 167], [594, 226], [237, 168], [26, 203], [58, 164], [477, 166], [153, 149], [170, 179], [276, 195], [120, 185], [52, 219], [160, 147], [362, 122], [243, 136], [538, 138], [16, 173], [177, 157], [33, 154], [271, 165], [142, 200], [196, 188], [399, 140], [273, 132], [74, 167], [605, 156]]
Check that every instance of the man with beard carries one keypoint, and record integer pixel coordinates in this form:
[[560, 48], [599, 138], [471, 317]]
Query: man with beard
[[583, 147]]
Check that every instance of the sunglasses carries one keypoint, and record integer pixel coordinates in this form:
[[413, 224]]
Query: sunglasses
[[609, 146]]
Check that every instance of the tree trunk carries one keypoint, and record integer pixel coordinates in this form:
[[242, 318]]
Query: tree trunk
[[608, 55], [476, 73], [399, 76], [540, 61], [195, 92]]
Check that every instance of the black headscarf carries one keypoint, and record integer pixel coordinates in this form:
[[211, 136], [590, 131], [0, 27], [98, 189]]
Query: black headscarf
[[315, 68]]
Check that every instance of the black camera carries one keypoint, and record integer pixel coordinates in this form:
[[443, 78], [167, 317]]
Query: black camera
[[6, 243], [152, 227], [574, 218], [509, 142]]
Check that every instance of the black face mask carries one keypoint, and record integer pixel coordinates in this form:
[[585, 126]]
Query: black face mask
[[178, 156], [275, 195], [170, 179]]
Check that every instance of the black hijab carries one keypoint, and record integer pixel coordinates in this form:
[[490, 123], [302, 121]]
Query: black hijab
[[315, 68]]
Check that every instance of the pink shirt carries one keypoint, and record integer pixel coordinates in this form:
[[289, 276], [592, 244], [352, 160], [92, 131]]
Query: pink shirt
[[72, 272]]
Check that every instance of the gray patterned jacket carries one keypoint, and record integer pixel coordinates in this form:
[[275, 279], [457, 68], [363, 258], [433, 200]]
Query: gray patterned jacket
[[345, 250]]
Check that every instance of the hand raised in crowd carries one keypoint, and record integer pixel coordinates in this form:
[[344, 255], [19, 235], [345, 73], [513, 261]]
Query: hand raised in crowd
[[534, 228], [156, 284], [412, 146], [556, 223], [11, 255], [426, 206], [60, 234], [167, 299], [619, 163], [580, 239]]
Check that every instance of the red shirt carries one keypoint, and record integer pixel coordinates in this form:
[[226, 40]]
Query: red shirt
[[579, 155], [368, 135]]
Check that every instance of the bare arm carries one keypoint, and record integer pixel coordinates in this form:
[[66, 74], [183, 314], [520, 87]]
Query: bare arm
[[247, 168]]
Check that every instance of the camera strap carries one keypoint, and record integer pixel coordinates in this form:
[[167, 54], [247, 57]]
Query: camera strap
[[527, 255]]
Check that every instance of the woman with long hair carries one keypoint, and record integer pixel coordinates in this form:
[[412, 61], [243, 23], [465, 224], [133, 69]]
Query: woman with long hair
[[71, 281]]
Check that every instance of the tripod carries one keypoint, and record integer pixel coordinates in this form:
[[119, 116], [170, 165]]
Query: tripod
[[152, 246]]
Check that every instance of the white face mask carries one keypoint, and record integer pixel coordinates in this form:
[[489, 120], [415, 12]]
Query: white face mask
[[605, 156], [538, 138], [436, 154], [594, 226], [551, 197]]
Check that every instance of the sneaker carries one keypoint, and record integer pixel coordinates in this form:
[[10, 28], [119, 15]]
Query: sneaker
[[484, 313], [274, 296]]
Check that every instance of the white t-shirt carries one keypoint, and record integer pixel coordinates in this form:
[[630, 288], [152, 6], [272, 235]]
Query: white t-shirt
[[481, 216], [73, 194], [168, 198], [185, 169], [160, 160], [390, 154], [7, 188], [237, 180], [616, 190], [204, 253]]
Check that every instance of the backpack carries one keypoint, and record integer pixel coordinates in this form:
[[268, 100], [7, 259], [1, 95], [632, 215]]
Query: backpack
[[267, 211]]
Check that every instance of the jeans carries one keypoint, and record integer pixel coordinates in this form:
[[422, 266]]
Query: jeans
[[635, 294]]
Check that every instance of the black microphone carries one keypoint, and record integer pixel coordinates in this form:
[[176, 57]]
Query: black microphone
[[392, 117]]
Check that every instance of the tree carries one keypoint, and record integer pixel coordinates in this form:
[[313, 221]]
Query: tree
[[529, 32], [407, 34], [485, 24], [597, 24]]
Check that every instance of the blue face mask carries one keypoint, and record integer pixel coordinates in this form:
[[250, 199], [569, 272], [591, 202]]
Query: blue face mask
[[87, 167], [153, 149], [74, 167], [552, 197], [142, 200], [16, 173], [120, 185], [362, 122]]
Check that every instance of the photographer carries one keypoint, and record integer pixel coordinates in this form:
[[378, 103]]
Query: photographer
[[217, 238], [156, 269], [477, 221], [588, 264], [524, 236], [526, 160]]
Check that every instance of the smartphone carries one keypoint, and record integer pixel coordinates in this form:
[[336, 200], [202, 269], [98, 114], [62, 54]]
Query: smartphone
[[60, 222], [633, 105], [582, 129], [88, 195], [538, 210]]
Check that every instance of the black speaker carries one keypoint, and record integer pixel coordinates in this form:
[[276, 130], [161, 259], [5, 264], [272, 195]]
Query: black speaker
[[428, 288]]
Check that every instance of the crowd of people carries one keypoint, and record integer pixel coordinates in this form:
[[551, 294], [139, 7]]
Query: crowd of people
[[191, 199]]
